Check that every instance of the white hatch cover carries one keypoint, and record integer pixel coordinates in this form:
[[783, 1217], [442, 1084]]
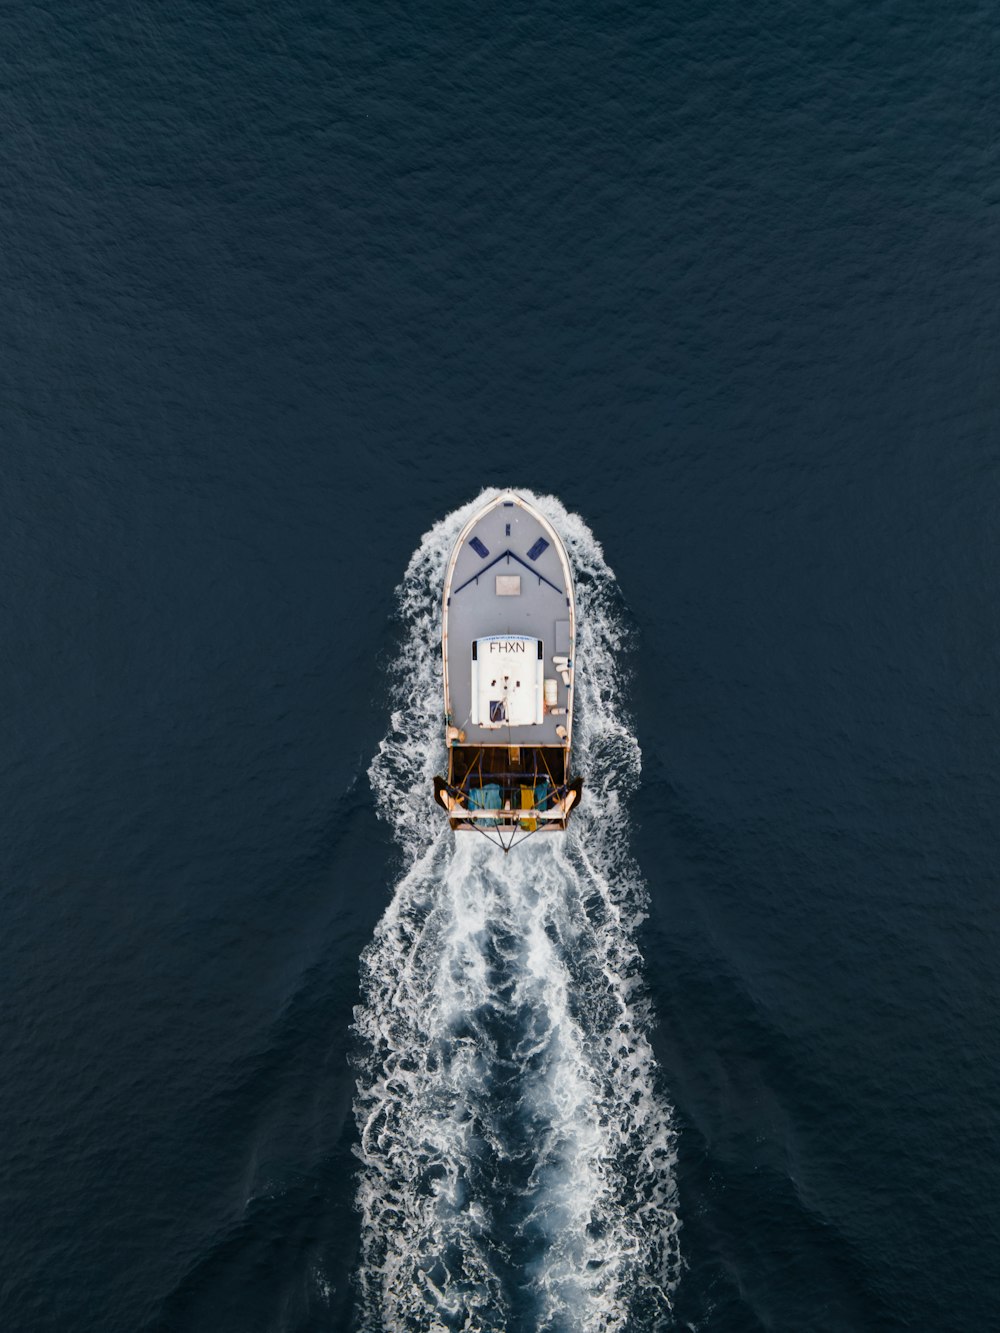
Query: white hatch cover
[[507, 681]]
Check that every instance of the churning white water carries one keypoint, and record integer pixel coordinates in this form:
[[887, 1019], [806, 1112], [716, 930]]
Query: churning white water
[[517, 1153]]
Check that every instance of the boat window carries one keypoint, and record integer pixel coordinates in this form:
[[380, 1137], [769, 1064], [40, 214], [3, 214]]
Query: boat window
[[479, 548], [539, 546]]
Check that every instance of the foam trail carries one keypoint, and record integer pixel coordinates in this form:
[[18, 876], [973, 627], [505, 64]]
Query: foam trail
[[517, 1154]]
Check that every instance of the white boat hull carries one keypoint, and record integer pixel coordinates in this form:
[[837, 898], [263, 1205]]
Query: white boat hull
[[509, 634]]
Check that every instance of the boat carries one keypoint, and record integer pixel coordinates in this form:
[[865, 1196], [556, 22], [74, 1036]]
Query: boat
[[508, 643]]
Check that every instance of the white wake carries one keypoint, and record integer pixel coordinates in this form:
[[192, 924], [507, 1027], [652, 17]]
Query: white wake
[[517, 1154]]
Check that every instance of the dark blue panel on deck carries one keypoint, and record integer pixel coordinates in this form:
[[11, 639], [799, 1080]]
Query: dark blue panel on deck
[[539, 546], [479, 548]]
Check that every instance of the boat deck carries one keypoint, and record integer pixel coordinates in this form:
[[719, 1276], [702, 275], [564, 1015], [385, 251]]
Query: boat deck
[[509, 577]]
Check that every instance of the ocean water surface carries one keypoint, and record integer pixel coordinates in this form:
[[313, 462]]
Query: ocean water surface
[[286, 289]]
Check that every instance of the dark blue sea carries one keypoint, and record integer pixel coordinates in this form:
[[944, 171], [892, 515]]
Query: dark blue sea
[[285, 289]]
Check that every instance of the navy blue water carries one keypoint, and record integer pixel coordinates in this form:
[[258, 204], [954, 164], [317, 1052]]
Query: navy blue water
[[284, 285]]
